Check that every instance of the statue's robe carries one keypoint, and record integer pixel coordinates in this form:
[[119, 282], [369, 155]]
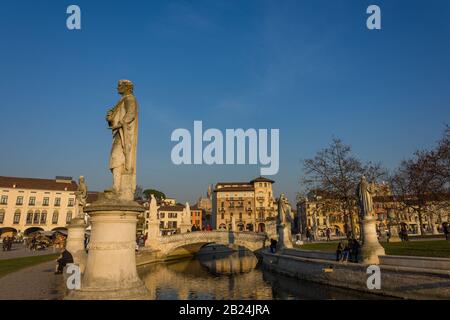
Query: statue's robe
[[124, 147], [365, 199]]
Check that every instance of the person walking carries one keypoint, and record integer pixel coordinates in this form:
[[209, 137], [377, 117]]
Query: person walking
[[328, 234], [446, 230], [355, 250], [346, 252]]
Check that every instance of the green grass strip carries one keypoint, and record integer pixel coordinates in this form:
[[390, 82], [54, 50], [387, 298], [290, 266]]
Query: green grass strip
[[437, 248], [13, 265]]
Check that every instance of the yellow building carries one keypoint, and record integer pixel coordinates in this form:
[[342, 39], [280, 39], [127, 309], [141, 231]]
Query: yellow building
[[28, 204], [246, 204]]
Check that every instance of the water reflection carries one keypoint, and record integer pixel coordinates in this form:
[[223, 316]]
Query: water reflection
[[231, 276]]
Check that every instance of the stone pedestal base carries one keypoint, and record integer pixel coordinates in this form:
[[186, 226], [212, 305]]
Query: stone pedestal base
[[111, 264], [393, 234], [371, 248], [75, 242]]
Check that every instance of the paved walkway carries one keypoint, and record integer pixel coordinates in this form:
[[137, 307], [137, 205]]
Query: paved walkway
[[18, 251], [33, 283]]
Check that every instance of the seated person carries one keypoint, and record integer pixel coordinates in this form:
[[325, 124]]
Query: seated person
[[65, 258]]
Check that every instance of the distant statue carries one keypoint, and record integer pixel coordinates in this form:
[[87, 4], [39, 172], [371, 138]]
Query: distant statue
[[123, 121], [282, 210], [81, 196], [209, 194], [365, 192]]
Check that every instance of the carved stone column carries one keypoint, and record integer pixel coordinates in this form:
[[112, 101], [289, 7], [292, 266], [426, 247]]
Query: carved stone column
[[371, 248], [111, 264], [75, 242]]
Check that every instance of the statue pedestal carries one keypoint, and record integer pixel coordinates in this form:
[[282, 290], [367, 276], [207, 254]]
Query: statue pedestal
[[75, 242], [371, 248], [393, 233], [111, 272]]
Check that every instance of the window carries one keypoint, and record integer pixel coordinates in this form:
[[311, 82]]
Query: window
[[44, 217], [71, 202], [45, 202], [2, 216], [57, 202], [240, 215], [32, 201], [161, 224], [4, 200], [16, 217], [69, 217], [161, 215], [55, 217], [19, 201], [30, 217], [36, 217]]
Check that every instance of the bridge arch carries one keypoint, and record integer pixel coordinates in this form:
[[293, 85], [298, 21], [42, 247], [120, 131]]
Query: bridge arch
[[192, 242]]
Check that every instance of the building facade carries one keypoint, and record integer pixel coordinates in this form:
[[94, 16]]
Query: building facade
[[243, 206], [196, 216], [28, 204], [319, 212]]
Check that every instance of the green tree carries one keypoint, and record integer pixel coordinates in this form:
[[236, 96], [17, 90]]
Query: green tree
[[159, 195]]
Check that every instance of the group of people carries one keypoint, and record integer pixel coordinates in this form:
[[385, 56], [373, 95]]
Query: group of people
[[349, 251], [203, 228], [7, 243]]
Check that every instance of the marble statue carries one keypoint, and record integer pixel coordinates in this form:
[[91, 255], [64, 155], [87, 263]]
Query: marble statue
[[371, 248], [123, 121], [284, 223], [81, 196], [110, 269], [365, 193]]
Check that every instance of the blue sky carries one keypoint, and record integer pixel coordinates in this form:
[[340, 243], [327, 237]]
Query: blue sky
[[310, 68]]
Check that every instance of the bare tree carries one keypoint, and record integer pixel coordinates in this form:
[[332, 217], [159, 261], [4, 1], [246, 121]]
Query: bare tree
[[139, 193], [422, 183], [336, 171]]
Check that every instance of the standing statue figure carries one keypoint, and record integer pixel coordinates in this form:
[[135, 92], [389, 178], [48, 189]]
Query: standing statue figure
[[284, 223], [365, 192], [81, 196], [371, 248], [282, 209], [123, 121]]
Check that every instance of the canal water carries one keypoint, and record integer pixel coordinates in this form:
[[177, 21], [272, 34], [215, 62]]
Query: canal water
[[232, 276]]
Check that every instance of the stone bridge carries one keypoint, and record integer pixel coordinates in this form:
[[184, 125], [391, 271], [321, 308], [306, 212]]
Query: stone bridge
[[192, 242]]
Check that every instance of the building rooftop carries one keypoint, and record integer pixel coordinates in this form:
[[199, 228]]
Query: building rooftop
[[262, 179], [59, 184], [177, 207]]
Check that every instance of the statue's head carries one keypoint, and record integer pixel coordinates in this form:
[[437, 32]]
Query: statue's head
[[125, 87], [81, 179]]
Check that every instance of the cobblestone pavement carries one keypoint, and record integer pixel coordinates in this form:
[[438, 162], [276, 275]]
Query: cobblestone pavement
[[18, 251], [33, 283]]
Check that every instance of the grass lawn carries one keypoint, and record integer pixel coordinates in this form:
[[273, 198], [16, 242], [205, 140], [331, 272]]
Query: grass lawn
[[12, 265], [437, 248]]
